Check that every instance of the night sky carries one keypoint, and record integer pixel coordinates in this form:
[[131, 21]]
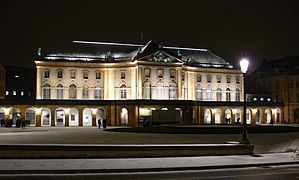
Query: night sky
[[262, 29]]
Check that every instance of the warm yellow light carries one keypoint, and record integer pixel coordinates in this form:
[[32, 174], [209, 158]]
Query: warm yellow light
[[94, 111], [67, 111], [38, 111]]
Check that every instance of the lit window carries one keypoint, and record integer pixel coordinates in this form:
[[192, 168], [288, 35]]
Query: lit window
[[98, 75], [209, 94], [7, 93], [238, 94], [254, 99], [98, 92], [59, 91], [14, 93], [262, 99], [219, 94], [198, 94], [85, 92], [228, 97], [46, 91], [22, 93], [123, 92], [72, 91]]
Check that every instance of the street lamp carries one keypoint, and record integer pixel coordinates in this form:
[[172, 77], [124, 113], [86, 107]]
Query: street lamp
[[244, 66]]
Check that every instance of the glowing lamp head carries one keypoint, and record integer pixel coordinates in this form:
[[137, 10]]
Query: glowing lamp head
[[244, 65]]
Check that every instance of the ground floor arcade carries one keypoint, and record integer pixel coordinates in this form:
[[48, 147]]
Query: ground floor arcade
[[131, 113]]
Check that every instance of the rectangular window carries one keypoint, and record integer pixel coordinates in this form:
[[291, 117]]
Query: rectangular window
[[14, 93], [47, 74], [73, 74], [209, 78], [238, 80], [7, 93], [85, 74], [218, 79], [22, 93], [59, 74], [147, 72], [98, 75], [160, 73], [183, 76], [228, 79], [123, 75], [172, 73], [198, 78]]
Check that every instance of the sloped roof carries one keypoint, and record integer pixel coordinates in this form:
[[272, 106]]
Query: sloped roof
[[101, 51]]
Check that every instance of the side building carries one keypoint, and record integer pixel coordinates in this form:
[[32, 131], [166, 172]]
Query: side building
[[128, 83], [281, 79], [2, 82]]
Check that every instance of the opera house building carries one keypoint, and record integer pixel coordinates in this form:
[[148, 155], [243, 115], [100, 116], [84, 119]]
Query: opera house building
[[126, 84]]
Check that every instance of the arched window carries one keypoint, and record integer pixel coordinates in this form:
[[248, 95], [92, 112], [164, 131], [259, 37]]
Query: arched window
[[123, 91], [172, 90], [46, 91], [209, 94], [198, 93], [98, 92], [30, 116], [73, 91], [146, 90], [85, 92], [219, 94], [228, 94], [238, 94], [160, 90], [59, 91]]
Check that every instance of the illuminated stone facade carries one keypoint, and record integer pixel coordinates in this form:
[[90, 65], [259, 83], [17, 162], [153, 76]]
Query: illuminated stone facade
[[281, 79], [126, 83]]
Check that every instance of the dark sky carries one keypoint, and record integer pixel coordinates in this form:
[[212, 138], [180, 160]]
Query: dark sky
[[263, 29]]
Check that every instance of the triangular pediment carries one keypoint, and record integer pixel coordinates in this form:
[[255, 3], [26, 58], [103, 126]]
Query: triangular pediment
[[160, 56], [153, 52]]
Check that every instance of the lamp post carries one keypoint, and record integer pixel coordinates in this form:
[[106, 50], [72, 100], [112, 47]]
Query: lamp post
[[244, 66]]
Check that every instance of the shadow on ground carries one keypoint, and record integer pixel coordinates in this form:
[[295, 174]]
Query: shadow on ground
[[252, 129]]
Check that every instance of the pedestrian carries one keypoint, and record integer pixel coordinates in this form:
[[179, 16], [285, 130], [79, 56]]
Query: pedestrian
[[104, 123], [271, 122], [99, 123]]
